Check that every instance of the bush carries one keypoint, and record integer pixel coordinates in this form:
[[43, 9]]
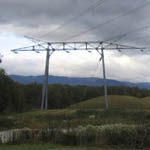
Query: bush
[[65, 137], [120, 135], [86, 135]]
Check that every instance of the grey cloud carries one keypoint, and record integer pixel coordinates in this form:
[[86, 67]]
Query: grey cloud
[[118, 66], [38, 17], [26, 13], [49, 14], [30, 13]]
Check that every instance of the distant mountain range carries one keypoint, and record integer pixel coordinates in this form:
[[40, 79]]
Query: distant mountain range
[[76, 81]]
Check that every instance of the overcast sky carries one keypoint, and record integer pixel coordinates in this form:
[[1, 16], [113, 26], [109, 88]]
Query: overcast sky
[[77, 20]]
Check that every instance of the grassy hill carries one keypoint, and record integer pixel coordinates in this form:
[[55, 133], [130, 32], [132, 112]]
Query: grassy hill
[[123, 109], [115, 101], [117, 124]]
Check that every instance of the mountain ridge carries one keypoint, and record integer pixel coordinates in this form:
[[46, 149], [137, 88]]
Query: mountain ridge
[[76, 81]]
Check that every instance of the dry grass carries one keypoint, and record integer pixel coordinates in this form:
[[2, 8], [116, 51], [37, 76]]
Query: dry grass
[[115, 101], [130, 109]]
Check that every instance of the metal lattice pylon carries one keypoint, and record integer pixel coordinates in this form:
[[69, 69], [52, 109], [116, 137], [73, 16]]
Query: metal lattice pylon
[[51, 47]]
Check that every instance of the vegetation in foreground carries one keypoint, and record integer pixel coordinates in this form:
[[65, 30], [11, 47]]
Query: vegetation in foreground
[[125, 124], [117, 127], [28, 147], [49, 147], [118, 135], [123, 109]]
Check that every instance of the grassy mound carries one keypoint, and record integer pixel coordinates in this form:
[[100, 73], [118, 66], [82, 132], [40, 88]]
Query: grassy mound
[[127, 123], [115, 101], [123, 109]]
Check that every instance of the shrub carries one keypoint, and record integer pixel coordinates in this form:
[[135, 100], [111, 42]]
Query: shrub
[[86, 135], [66, 137], [120, 135]]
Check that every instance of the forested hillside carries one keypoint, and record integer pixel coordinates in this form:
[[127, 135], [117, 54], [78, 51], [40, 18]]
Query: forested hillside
[[11, 96], [16, 97]]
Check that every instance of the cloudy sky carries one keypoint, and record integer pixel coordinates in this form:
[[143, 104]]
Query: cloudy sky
[[77, 20]]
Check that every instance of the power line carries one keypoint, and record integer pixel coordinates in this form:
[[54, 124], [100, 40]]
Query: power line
[[108, 21], [141, 37], [114, 38], [91, 78], [122, 36], [95, 5]]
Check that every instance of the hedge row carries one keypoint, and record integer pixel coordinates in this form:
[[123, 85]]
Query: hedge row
[[122, 135]]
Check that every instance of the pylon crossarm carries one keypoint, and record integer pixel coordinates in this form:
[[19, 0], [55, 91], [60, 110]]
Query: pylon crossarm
[[69, 46]]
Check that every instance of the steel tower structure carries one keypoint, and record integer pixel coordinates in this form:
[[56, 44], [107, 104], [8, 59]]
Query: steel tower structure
[[51, 47]]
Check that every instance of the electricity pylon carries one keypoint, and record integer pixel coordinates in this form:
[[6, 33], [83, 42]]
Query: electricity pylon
[[51, 47]]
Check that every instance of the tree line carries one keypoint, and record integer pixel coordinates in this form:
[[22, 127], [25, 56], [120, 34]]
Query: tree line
[[16, 97]]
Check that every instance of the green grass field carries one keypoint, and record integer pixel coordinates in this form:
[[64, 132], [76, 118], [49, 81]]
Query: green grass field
[[51, 147], [115, 101], [27, 147], [123, 109]]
